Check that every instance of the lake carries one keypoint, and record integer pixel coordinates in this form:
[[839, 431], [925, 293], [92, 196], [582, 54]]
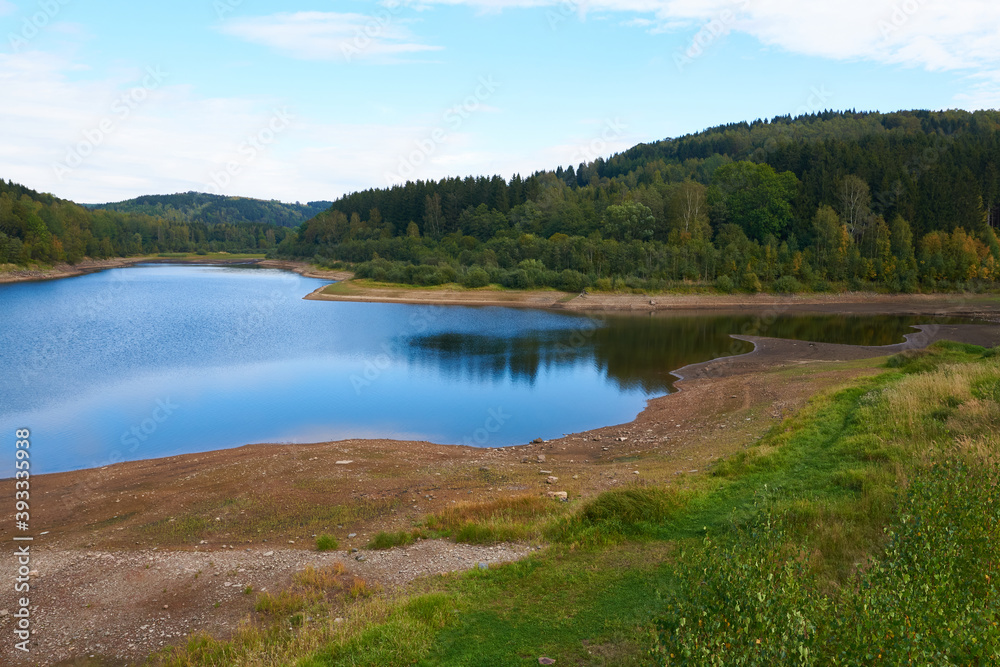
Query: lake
[[158, 360]]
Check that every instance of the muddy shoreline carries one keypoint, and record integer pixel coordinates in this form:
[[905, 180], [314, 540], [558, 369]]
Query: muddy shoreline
[[61, 271], [111, 557], [847, 303]]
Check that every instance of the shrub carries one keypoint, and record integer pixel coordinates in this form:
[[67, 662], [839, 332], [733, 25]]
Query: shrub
[[388, 540], [476, 277], [787, 285], [749, 282], [725, 284], [326, 543], [572, 281], [634, 513]]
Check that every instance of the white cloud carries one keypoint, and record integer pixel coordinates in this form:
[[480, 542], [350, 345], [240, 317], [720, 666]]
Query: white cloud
[[953, 35], [172, 141], [331, 36]]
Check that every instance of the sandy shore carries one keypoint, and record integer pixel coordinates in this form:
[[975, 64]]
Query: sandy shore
[[116, 554], [90, 266], [956, 305]]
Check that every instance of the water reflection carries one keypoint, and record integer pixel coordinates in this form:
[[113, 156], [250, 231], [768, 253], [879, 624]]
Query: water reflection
[[638, 352]]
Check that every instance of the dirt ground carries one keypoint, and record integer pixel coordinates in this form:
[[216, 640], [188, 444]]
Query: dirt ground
[[91, 265], [113, 578], [858, 303]]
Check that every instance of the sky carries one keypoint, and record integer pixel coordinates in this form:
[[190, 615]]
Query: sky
[[308, 100]]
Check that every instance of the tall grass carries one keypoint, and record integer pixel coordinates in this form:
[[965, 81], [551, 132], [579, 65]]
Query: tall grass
[[925, 593], [503, 520]]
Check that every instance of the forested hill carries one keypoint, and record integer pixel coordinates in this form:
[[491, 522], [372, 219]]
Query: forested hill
[[36, 227], [215, 209], [907, 200]]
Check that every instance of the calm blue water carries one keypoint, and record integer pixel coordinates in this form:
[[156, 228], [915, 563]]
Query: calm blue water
[[158, 360]]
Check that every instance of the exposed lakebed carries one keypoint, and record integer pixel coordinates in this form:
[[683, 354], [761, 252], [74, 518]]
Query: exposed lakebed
[[157, 360]]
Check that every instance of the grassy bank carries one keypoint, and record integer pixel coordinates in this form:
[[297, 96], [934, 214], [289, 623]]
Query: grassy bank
[[861, 531]]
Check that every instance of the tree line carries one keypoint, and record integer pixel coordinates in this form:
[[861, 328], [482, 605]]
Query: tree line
[[903, 201], [40, 228]]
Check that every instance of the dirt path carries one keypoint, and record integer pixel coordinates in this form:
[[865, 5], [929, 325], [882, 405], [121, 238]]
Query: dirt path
[[137, 555]]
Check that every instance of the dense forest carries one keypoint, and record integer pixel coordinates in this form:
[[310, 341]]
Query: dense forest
[[218, 209], [39, 228], [902, 201]]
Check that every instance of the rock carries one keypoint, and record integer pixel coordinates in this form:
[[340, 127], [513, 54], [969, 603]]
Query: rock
[[268, 553], [546, 661], [541, 458], [544, 472], [551, 480], [635, 472], [3, 612], [558, 495], [360, 558], [338, 620], [483, 566], [352, 535], [622, 438], [354, 551], [537, 441], [343, 463]]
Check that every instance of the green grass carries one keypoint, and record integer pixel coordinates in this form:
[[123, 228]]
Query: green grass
[[779, 529], [388, 540]]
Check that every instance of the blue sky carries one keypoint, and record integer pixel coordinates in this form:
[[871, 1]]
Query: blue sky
[[308, 100]]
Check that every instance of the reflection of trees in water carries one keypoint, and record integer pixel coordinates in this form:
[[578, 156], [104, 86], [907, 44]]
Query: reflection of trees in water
[[638, 352]]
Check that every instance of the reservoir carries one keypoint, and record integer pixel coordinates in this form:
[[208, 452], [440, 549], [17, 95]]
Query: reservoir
[[157, 360]]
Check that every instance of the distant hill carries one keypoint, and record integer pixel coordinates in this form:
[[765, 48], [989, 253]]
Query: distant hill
[[216, 209], [37, 227]]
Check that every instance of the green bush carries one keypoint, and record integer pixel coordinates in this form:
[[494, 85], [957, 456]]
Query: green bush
[[929, 598], [749, 282], [388, 540], [634, 513], [725, 284], [326, 543], [787, 285], [476, 277]]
